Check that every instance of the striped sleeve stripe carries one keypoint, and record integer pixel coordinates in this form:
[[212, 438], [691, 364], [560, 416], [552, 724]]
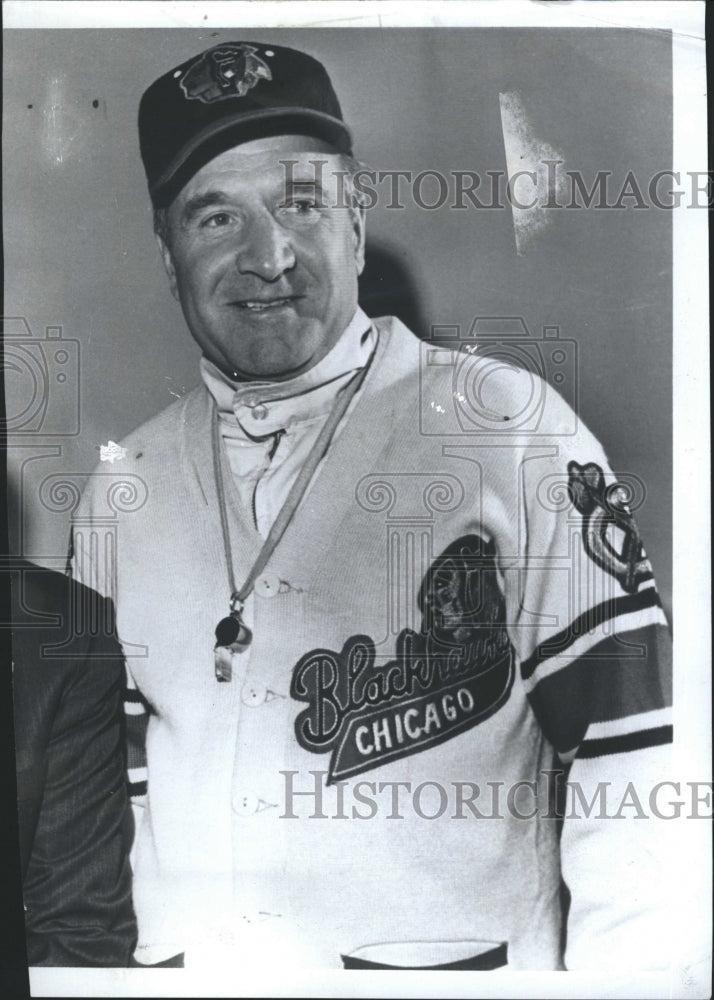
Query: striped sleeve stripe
[[626, 742], [586, 623], [133, 708], [134, 697], [620, 685], [134, 704], [630, 724], [587, 647], [137, 781], [135, 740]]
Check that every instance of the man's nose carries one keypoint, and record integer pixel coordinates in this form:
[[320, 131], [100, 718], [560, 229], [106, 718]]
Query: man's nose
[[267, 250]]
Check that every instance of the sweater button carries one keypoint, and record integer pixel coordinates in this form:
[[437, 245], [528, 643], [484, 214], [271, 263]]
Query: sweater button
[[259, 412], [253, 694], [245, 803], [267, 585]]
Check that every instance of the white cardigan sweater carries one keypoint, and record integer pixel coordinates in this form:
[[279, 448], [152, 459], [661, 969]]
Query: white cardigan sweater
[[399, 636]]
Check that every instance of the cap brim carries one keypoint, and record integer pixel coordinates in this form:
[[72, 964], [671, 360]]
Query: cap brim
[[231, 131]]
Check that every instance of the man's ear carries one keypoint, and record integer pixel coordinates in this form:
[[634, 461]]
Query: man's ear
[[359, 228], [169, 265]]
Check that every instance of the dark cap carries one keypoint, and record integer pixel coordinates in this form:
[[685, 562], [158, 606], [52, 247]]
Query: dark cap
[[232, 93]]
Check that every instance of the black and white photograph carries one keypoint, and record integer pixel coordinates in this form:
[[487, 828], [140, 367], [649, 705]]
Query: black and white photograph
[[356, 430]]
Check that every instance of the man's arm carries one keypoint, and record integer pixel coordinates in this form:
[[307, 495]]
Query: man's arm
[[613, 847], [599, 682], [77, 888]]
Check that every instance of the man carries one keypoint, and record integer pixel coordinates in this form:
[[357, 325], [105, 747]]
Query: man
[[74, 816], [305, 669]]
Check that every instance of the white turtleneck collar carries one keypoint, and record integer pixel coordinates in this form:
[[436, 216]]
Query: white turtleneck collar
[[268, 428]]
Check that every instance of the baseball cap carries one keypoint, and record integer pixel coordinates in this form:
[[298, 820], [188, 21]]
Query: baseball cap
[[229, 94]]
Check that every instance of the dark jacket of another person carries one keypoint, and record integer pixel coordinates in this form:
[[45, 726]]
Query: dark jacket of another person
[[75, 822]]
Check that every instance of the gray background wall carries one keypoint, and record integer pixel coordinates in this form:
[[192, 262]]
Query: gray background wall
[[80, 253]]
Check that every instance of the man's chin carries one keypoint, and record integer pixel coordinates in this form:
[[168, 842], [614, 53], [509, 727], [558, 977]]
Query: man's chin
[[273, 345], [274, 369]]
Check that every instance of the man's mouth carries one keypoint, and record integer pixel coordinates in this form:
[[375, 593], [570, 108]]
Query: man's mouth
[[262, 305]]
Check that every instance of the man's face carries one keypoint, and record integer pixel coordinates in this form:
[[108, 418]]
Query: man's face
[[264, 258]]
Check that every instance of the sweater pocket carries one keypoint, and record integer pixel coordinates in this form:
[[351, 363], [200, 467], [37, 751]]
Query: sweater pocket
[[433, 955]]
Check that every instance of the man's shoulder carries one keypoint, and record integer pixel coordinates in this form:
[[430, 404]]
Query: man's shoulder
[[149, 454], [162, 432], [463, 391], [398, 350], [159, 438]]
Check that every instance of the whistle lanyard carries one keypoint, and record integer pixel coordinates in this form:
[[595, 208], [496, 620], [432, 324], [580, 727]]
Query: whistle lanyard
[[232, 634]]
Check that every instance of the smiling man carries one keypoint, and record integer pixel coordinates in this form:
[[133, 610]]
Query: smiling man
[[343, 583], [263, 258]]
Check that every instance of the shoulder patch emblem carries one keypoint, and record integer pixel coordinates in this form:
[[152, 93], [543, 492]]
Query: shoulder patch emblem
[[451, 675], [610, 536], [229, 70]]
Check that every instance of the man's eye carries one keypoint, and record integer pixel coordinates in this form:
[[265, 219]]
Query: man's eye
[[302, 206], [217, 220]]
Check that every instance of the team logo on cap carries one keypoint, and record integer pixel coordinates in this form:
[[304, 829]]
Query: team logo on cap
[[229, 70]]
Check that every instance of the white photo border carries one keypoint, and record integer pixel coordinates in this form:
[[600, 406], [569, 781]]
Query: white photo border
[[691, 589]]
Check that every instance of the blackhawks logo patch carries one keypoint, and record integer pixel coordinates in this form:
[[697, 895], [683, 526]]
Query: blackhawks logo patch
[[453, 673], [610, 536], [229, 70]]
